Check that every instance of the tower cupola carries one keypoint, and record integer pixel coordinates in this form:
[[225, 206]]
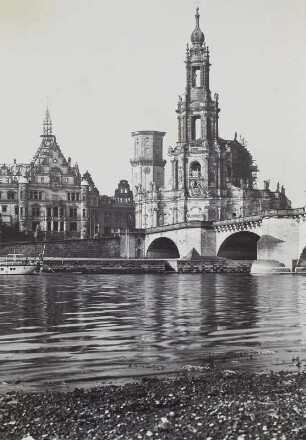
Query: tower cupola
[[197, 36]]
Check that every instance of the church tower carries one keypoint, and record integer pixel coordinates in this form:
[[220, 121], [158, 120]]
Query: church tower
[[147, 175], [148, 164], [196, 158], [211, 178]]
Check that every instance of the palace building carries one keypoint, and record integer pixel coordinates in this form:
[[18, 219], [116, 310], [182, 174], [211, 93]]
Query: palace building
[[211, 178], [48, 198]]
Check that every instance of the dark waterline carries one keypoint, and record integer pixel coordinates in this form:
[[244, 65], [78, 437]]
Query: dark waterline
[[67, 328]]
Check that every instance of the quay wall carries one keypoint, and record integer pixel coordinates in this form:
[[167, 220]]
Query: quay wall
[[91, 248], [213, 266], [119, 265]]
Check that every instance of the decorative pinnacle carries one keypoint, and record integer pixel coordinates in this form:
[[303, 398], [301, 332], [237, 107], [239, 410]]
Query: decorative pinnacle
[[197, 17], [47, 125]]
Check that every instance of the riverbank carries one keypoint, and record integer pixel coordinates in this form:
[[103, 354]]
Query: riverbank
[[199, 403]]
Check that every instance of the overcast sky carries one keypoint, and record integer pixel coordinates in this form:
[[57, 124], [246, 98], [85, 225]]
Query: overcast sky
[[112, 67]]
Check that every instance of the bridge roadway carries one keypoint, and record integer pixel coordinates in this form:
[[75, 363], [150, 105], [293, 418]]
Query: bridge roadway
[[275, 234]]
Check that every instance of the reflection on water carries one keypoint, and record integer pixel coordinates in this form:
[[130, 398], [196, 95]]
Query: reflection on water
[[78, 328]]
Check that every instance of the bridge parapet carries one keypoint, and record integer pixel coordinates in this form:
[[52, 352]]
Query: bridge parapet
[[294, 212], [179, 226], [238, 224]]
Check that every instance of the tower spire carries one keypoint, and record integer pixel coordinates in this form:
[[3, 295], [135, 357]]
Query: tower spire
[[197, 36], [47, 125]]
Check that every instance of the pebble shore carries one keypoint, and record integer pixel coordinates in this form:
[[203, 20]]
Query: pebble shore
[[198, 404]]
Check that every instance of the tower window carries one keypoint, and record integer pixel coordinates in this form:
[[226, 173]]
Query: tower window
[[195, 169], [196, 131], [196, 77]]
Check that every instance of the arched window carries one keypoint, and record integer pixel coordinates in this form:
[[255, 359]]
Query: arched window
[[195, 169]]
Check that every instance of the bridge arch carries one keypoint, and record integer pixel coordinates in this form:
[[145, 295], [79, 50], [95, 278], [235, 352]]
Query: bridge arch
[[162, 247], [241, 245]]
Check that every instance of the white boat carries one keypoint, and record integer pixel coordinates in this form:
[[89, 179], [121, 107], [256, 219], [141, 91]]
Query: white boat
[[18, 264]]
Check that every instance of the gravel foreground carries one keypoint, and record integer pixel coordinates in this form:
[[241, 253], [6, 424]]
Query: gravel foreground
[[206, 404]]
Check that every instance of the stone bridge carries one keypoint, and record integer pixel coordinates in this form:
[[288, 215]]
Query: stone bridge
[[278, 235]]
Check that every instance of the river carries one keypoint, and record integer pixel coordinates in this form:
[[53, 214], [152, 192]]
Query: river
[[84, 330]]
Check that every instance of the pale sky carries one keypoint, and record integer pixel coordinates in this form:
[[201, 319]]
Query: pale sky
[[113, 67]]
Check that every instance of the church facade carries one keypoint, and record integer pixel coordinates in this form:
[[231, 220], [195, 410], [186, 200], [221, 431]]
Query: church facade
[[211, 178]]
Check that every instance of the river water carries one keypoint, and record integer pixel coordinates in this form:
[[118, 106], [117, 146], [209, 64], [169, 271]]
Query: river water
[[78, 330]]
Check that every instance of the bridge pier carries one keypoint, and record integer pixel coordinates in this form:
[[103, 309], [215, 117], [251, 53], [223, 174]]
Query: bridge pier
[[279, 240]]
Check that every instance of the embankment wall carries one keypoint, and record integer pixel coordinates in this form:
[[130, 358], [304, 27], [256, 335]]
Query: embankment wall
[[97, 248]]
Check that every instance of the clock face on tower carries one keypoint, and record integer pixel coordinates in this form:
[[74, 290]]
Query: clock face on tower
[[147, 170]]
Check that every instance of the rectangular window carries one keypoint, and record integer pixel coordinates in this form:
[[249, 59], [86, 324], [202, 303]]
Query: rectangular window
[[16, 210], [0, 194], [61, 212], [49, 226], [61, 226], [55, 226], [69, 197], [4, 208], [48, 212], [21, 195], [26, 211], [73, 212], [84, 213], [35, 211], [34, 226], [11, 196], [36, 197], [21, 210], [77, 196], [40, 195], [73, 227], [55, 211], [41, 180]]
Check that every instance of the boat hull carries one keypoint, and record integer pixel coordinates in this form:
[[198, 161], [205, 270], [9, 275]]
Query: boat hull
[[18, 270]]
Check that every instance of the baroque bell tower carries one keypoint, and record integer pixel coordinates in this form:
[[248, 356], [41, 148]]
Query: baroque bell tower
[[195, 159]]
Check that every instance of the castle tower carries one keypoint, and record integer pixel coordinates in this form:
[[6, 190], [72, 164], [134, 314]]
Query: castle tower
[[195, 160]]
